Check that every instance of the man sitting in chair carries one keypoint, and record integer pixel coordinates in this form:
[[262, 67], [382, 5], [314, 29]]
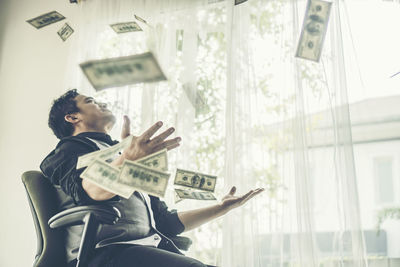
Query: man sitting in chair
[[139, 238]]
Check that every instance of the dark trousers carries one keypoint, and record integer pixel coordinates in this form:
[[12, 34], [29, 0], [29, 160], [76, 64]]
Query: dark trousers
[[138, 256]]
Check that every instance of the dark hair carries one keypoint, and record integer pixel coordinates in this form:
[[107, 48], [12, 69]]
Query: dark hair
[[62, 106]]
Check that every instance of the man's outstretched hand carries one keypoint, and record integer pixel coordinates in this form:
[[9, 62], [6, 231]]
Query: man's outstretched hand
[[144, 145], [230, 201], [194, 218]]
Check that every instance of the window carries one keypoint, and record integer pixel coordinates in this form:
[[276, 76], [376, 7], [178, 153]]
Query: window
[[383, 176]]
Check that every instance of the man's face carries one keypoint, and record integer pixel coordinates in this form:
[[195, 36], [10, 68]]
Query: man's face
[[93, 114]]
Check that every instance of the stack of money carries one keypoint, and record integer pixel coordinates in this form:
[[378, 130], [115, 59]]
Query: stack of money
[[156, 161], [147, 174], [106, 176], [142, 178], [196, 182]]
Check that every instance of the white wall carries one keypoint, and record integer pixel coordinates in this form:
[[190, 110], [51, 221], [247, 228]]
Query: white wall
[[32, 73], [364, 155]]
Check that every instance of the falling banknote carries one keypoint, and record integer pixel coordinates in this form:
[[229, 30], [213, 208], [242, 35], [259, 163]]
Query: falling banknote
[[65, 32], [126, 27], [113, 72], [238, 2], [104, 154], [156, 160], [186, 194], [140, 19], [177, 198], [46, 19], [195, 180], [106, 176], [144, 179], [314, 30]]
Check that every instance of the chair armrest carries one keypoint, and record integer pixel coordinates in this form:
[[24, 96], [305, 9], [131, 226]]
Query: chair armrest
[[91, 217], [182, 242], [76, 216]]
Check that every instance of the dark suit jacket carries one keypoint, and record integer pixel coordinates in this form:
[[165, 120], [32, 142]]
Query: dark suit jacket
[[60, 167]]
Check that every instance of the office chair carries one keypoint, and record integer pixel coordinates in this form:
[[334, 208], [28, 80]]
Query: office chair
[[49, 221]]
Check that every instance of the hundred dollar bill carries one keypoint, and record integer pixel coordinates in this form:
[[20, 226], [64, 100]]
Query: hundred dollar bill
[[237, 2], [314, 30], [104, 154], [113, 72], [186, 194], [156, 160], [65, 32], [195, 180], [106, 176], [144, 179], [46, 19], [214, 1], [126, 27], [140, 19]]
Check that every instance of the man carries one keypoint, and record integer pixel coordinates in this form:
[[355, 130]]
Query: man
[[140, 238]]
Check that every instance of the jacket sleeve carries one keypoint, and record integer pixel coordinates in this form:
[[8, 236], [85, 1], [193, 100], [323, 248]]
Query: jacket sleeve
[[60, 168], [167, 222]]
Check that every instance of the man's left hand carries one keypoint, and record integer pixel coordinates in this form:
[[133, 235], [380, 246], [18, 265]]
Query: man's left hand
[[230, 201]]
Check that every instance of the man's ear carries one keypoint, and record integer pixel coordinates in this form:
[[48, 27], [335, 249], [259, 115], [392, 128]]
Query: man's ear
[[72, 118]]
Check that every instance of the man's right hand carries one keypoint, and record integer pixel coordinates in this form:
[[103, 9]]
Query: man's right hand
[[144, 145], [140, 146]]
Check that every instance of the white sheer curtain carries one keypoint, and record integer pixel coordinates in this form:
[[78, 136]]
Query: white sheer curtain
[[274, 131], [249, 112]]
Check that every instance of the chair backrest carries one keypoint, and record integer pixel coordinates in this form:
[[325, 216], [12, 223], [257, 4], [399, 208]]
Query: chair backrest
[[44, 203]]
